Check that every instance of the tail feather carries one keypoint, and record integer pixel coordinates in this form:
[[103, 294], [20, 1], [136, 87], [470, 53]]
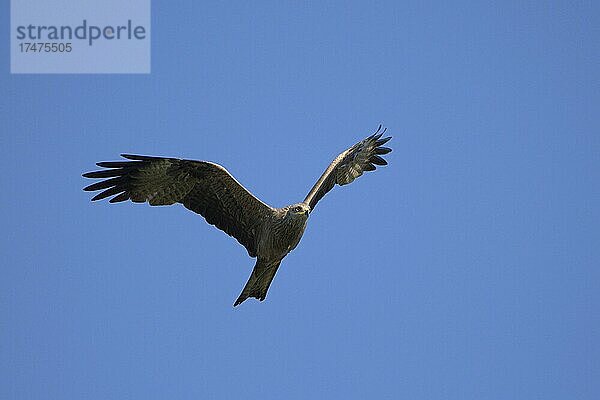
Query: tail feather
[[259, 281]]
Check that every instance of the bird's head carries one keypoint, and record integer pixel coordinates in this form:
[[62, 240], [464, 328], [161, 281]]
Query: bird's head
[[298, 210]]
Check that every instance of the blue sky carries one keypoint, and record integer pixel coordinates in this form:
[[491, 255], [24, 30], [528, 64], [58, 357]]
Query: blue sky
[[466, 269]]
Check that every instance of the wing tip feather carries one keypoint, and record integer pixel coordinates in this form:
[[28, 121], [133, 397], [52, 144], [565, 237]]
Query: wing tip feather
[[135, 157], [120, 197]]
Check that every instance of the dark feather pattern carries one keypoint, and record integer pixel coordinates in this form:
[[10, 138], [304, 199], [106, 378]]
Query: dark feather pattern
[[203, 187], [107, 173], [350, 164], [375, 159], [382, 150], [122, 197], [104, 184]]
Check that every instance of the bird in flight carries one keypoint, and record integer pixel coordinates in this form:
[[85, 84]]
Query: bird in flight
[[206, 188]]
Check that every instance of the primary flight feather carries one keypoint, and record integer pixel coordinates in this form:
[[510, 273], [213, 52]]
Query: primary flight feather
[[208, 189]]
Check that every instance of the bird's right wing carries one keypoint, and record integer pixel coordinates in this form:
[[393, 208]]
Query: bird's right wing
[[349, 165], [203, 187]]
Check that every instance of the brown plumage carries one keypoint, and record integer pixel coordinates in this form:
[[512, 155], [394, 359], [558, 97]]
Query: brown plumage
[[208, 189]]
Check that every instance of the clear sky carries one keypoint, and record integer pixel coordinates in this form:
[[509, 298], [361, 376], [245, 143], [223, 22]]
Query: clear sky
[[466, 269]]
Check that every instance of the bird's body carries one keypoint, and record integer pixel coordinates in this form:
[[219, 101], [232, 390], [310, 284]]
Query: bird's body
[[284, 232], [267, 233]]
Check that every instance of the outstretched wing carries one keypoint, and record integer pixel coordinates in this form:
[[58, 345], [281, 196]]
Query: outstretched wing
[[203, 187], [350, 164]]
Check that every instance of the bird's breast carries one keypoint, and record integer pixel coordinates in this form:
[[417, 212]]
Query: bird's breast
[[284, 237]]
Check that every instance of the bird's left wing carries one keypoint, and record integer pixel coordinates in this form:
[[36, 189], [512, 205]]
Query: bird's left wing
[[350, 164], [203, 187]]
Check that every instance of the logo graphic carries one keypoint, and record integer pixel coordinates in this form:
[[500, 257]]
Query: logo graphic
[[80, 36]]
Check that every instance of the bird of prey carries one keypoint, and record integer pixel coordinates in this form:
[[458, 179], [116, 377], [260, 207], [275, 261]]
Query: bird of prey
[[208, 189]]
